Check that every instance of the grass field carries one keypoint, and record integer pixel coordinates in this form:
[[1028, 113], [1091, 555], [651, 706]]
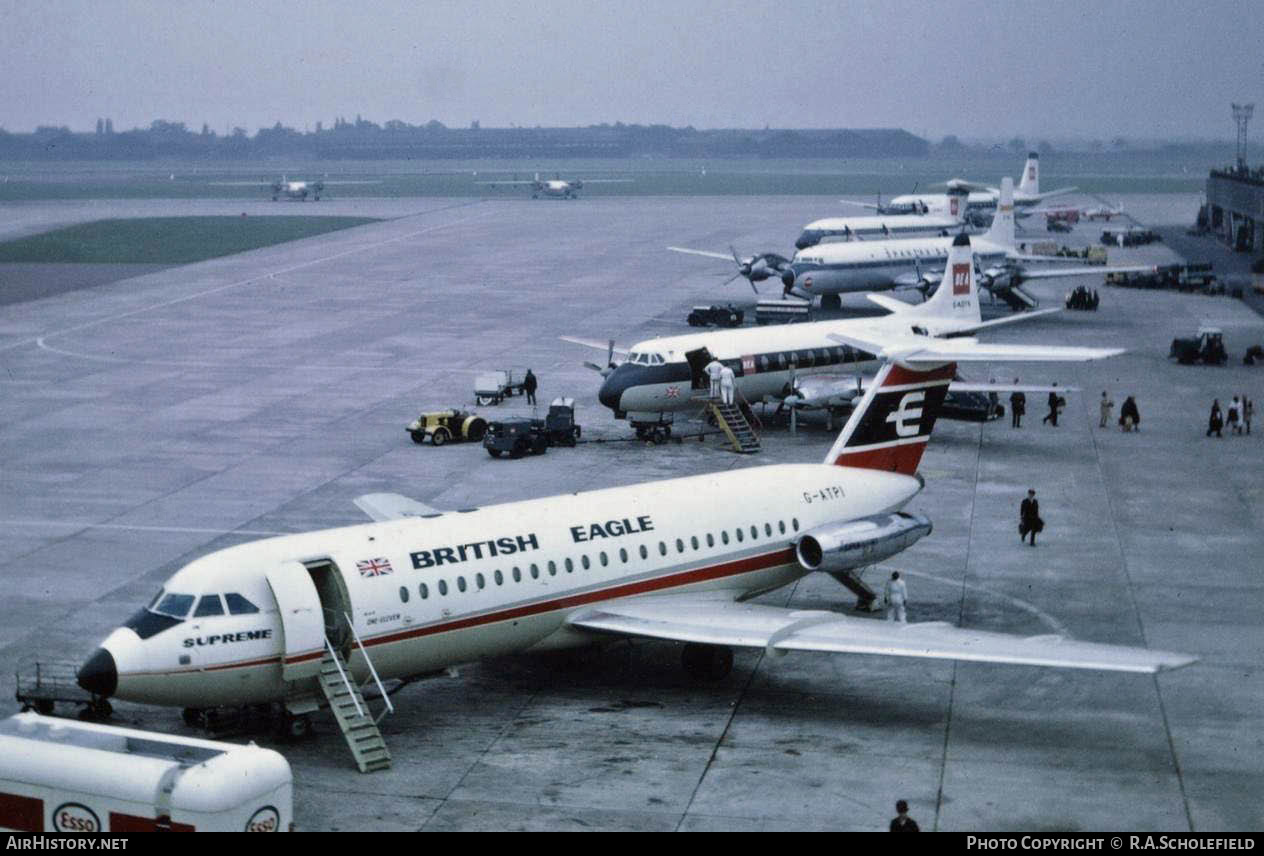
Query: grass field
[[167, 240]]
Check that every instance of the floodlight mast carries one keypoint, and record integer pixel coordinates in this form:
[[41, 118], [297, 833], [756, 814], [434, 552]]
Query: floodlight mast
[[1242, 116]]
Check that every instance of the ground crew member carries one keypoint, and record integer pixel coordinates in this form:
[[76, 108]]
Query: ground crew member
[[1017, 406], [529, 385], [714, 369], [1055, 401], [902, 822], [1029, 518], [1215, 421], [1108, 406], [894, 595], [727, 381], [1231, 419]]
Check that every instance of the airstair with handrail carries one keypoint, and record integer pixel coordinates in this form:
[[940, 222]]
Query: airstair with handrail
[[346, 702]]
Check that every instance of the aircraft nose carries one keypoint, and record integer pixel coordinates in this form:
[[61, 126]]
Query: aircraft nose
[[99, 674], [611, 390]]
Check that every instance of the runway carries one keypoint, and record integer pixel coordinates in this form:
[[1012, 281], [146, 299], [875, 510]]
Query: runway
[[148, 421]]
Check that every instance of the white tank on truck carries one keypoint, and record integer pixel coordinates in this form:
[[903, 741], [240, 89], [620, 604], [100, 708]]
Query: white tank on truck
[[60, 775]]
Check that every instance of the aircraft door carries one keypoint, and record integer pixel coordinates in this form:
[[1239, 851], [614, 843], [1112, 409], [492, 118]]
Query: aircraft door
[[302, 620], [698, 361]]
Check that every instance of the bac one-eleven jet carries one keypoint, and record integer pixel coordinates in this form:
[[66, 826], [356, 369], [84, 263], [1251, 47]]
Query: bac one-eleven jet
[[423, 589]]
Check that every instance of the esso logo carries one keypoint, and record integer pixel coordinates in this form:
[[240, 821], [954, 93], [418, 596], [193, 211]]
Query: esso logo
[[75, 817], [266, 819]]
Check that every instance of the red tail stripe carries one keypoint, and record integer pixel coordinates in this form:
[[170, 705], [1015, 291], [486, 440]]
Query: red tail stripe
[[903, 458]]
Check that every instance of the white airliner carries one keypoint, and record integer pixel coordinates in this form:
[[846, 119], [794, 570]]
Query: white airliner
[[852, 228], [803, 364], [986, 198], [422, 589], [830, 269], [557, 187], [291, 188]]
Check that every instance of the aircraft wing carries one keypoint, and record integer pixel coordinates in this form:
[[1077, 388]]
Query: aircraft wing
[[328, 183], [870, 205], [1059, 192], [382, 507], [710, 620], [728, 257], [1087, 270], [607, 180], [593, 343], [924, 349], [517, 181], [1034, 389]]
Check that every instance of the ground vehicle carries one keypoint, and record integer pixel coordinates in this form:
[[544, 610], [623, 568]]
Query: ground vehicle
[[41, 685], [495, 386], [782, 311], [517, 437], [559, 425], [1207, 347], [441, 426], [1057, 226], [77, 777], [720, 316], [1130, 237]]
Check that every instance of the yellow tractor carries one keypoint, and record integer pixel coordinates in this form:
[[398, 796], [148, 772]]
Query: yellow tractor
[[443, 425]]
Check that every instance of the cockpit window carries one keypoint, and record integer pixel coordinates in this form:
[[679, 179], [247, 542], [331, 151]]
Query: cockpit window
[[174, 605], [238, 605], [209, 605]]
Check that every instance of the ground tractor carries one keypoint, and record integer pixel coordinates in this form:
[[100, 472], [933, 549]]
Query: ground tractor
[[442, 426], [720, 316], [517, 437], [1207, 347]]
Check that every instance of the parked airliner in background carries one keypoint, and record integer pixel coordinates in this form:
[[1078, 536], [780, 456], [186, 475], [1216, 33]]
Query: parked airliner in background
[[802, 364], [423, 589], [292, 189], [556, 187], [830, 269]]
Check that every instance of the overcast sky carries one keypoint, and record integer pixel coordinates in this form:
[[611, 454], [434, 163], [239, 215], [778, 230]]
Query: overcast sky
[[976, 68]]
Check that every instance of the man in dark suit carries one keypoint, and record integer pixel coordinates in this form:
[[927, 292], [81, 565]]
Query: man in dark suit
[[1029, 521], [1017, 406]]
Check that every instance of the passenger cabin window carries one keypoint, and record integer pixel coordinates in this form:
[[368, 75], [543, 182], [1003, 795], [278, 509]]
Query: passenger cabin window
[[754, 532], [623, 555], [535, 571], [583, 560], [480, 581], [645, 554], [724, 535], [662, 548], [604, 559], [552, 568], [403, 594], [517, 574], [499, 577], [710, 540], [423, 590], [795, 522], [738, 533], [460, 583], [238, 605], [693, 541], [569, 565], [443, 587], [209, 605]]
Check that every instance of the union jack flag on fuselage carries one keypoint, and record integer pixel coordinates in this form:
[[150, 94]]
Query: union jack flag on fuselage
[[374, 567]]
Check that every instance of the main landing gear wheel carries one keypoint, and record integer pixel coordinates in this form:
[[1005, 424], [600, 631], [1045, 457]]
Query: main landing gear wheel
[[831, 301], [295, 727], [708, 663], [194, 717]]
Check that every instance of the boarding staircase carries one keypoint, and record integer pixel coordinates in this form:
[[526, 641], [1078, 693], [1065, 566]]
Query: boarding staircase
[[1017, 298], [866, 598], [349, 708], [734, 425]]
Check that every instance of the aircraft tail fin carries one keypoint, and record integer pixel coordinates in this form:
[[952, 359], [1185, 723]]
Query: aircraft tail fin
[[1002, 231], [1029, 184], [890, 426], [957, 297]]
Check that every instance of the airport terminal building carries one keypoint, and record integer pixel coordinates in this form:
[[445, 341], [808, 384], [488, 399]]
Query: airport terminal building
[[1235, 206]]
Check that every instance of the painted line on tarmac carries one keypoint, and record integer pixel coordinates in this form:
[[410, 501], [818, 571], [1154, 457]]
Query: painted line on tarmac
[[130, 527], [1054, 624], [300, 266]]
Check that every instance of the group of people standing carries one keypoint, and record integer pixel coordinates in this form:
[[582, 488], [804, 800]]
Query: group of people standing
[[1237, 418], [1129, 415]]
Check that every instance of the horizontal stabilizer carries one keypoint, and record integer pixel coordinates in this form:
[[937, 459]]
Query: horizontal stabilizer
[[1098, 270], [382, 507], [891, 304], [712, 621]]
